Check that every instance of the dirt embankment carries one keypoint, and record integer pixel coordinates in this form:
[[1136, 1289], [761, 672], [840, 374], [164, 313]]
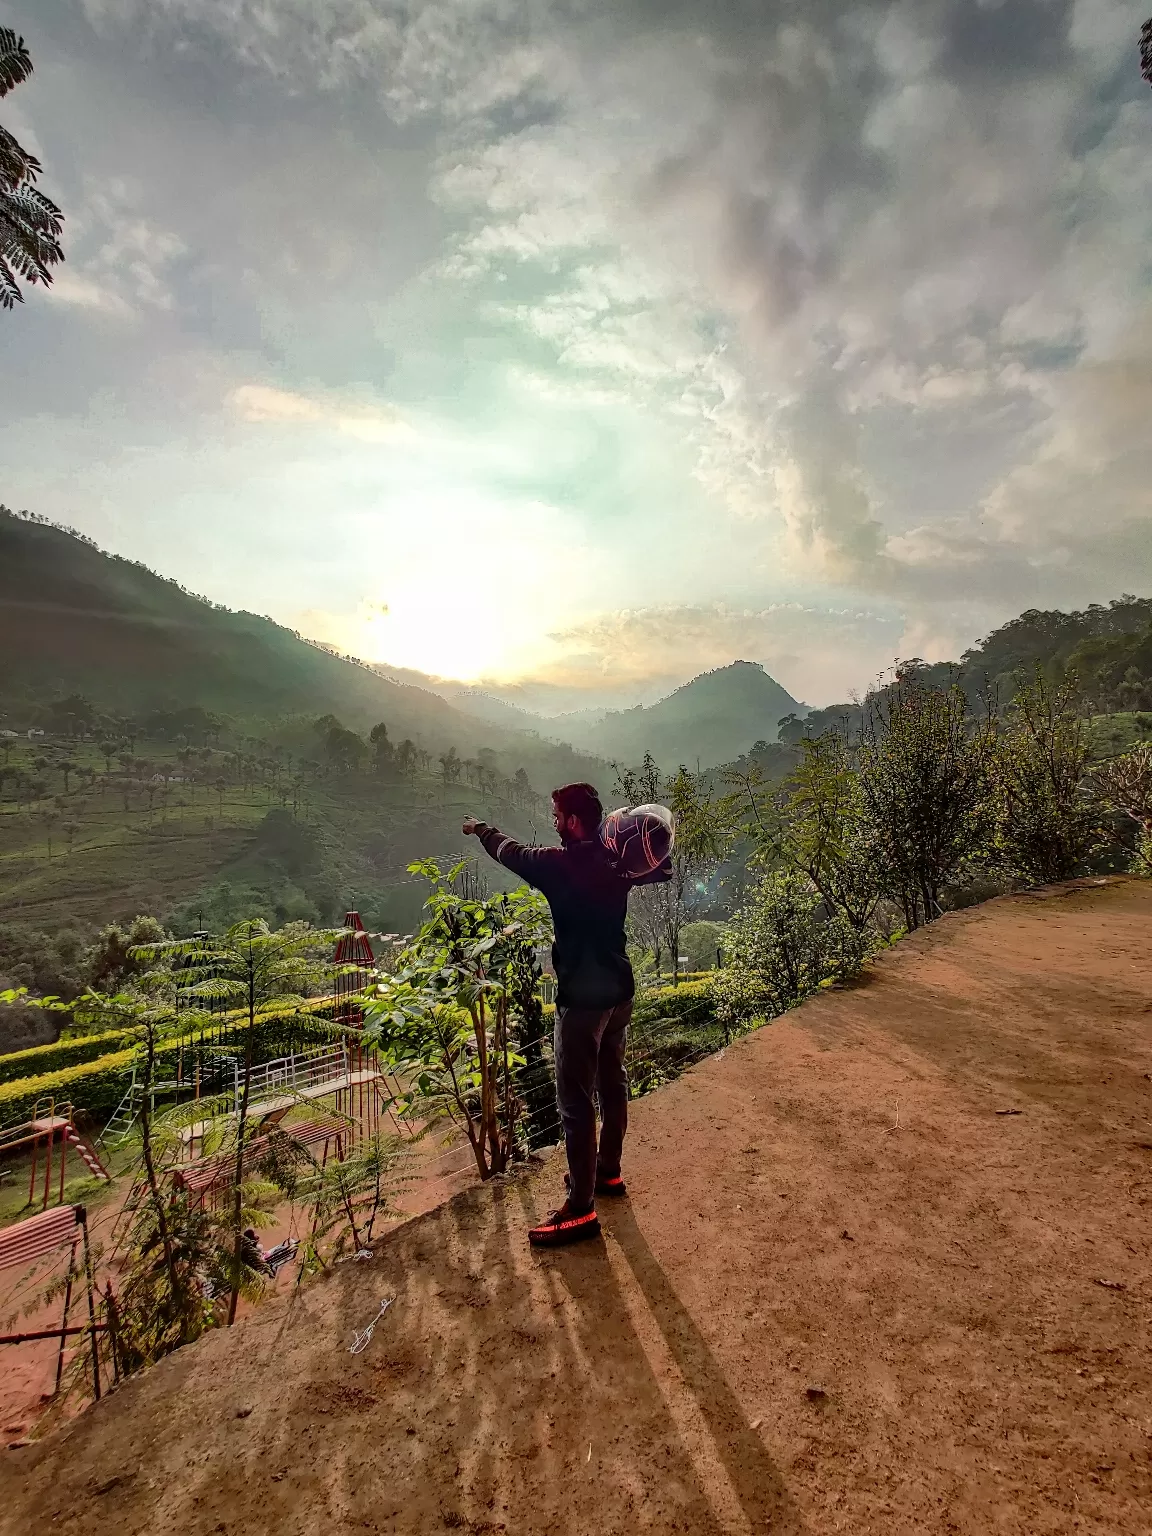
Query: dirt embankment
[[851, 1292]]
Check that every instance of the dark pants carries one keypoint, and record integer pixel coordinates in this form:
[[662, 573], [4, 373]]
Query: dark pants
[[590, 1058]]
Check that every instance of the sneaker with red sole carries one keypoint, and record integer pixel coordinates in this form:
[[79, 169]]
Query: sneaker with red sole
[[564, 1226], [613, 1188]]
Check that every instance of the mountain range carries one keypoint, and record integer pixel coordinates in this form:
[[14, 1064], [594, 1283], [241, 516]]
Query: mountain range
[[76, 620]]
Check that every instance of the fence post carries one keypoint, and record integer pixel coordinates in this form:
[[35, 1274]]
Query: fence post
[[113, 1330], [64, 1320], [82, 1218]]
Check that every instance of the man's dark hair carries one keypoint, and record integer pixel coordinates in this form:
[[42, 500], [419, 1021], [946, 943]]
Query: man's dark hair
[[580, 800]]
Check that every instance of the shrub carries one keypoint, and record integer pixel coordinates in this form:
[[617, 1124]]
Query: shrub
[[1049, 825], [781, 948], [689, 1003], [97, 1086], [80, 1069], [39, 1059]]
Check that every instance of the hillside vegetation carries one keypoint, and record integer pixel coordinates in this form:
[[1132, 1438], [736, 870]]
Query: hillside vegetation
[[1106, 649], [201, 836]]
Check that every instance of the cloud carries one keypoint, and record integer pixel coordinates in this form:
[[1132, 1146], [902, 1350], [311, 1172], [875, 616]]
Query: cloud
[[71, 287], [832, 309], [801, 645], [120, 261], [366, 422]]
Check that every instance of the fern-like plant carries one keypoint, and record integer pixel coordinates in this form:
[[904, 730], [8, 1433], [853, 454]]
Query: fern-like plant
[[30, 223]]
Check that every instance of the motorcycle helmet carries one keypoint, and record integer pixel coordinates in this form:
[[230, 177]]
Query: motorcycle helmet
[[639, 840]]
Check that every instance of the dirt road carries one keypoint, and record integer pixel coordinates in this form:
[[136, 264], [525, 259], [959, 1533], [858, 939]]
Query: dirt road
[[851, 1292]]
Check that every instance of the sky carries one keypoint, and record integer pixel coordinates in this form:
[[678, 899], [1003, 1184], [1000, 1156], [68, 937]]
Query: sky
[[591, 344]]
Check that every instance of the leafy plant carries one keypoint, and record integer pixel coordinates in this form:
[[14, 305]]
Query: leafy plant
[[30, 223], [162, 1304], [446, 1020], [781, 948], [346, 1196]]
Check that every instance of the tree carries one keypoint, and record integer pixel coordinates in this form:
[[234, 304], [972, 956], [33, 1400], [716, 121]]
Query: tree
[[639, 786], [1125, 785], [162, 1302], [48, 820], [647, 925], [522, 790], [925, 780], [72, 716], [30, 223], [450, 766], [385, 753], [706, 825], [702, 943], [1146, 51], [112, 959], [406, 757], [257, 970], [705, 831], [826, 832], [344, 749], [1049, 824]]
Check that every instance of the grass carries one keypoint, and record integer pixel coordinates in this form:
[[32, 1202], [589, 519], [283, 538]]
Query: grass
[[1112, 734], [80, 1188]]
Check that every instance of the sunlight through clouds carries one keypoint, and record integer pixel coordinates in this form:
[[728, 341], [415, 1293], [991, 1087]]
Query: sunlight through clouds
[[589, 328]]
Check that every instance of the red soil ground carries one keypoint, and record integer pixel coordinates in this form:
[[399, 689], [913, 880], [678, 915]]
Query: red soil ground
[[848, 1293], [435, 1170]]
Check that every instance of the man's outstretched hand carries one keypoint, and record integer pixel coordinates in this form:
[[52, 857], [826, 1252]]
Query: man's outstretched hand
[[470, 826]]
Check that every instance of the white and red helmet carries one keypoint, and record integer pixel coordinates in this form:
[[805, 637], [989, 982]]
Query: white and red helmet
[[638, 841]]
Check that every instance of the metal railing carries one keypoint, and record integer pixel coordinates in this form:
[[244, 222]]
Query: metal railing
[[294, 1074]]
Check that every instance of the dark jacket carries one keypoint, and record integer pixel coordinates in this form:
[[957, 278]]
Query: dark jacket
[[589, 903]]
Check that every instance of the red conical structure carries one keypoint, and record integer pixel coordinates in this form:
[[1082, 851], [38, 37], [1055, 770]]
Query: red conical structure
[[352, 949]]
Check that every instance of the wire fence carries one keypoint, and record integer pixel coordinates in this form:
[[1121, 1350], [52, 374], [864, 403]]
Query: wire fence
[[658, 1051]]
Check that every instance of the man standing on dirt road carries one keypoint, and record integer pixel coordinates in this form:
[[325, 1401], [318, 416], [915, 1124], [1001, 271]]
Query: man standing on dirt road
[[588, 898]]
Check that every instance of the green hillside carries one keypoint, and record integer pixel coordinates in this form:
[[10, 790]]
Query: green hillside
[[711, 720], [77, 621], [208, 835], [161, 754], [1108, 648]]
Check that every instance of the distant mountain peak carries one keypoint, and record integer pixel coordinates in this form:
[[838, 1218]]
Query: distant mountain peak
[[712, 719]]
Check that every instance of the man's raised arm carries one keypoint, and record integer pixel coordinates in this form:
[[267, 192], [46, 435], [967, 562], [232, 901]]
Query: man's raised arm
[[531, 864]]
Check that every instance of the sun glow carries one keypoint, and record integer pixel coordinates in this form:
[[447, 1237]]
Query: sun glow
[[455, 630], [466, 589]]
